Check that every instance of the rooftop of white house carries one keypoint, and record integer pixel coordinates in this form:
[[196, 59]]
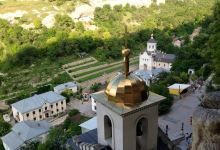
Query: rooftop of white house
[[90, 124], [148, 74], [24, 131], [37, 101], [179, 86], [65, 85]]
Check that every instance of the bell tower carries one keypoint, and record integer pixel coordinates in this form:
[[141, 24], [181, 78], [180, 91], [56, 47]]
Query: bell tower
[[127, 113], [151, 44]]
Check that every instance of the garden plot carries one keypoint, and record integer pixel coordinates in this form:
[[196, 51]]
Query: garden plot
[[90, 68], [78, 63]]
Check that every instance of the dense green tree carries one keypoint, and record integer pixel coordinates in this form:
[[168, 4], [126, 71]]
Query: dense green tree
[[64, 22], [95, 87], [55, 140], [68, 94], [4, 128]]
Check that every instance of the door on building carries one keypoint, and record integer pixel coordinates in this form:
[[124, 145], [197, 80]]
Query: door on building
[[46, 115], [145, 67]]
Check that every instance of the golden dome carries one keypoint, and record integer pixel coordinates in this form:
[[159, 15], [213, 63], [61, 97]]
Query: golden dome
[[130, 90], [127, 88]]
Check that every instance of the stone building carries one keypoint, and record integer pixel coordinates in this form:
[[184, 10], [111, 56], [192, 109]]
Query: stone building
[[152, 58], [206, 123], [39, 107]]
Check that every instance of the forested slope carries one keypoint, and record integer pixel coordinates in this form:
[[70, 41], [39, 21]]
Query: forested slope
[[20, 47]]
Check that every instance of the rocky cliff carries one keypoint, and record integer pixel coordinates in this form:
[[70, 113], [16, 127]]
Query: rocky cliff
[[206, 123]]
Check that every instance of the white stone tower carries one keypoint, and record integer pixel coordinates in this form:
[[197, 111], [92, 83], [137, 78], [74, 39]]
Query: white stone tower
[[151, 44], [127, 113]]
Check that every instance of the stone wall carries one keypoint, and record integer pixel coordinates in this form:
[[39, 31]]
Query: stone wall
[[206, 123]]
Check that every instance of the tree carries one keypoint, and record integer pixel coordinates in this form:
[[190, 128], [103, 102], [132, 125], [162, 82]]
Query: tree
[[55, 140], [64, 22], [37, 23], [44, 89], [68, 94], [4, 128], [79, 27], [95, 87]]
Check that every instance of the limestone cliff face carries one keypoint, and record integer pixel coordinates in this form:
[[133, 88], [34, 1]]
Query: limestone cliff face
[[206, 123]]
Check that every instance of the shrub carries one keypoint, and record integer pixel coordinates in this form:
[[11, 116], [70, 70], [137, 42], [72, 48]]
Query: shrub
[[4, 128], [73, 112], [95, 87], [44, 89], [67, 93]]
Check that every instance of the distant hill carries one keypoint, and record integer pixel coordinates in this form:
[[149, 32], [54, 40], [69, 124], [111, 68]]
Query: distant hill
[[78, 10]]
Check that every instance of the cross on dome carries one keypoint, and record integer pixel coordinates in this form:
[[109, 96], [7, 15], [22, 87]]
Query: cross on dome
[[152, 36]]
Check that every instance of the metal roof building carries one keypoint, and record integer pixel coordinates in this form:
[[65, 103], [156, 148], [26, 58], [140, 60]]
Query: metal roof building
[[149, 75], [62, 87], [89, 125], [23, 132], [37, 101], [163, 57]]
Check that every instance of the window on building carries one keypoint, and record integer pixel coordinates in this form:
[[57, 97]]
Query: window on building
[[45, 108], [95, 107], [107, 127], [149, 46], [33, 112], [152, 46], [164, 65], [61, 102], [27, 114], [51, 112], [34, 118], [40, 116], [56, 104], [159, 64], [57, 110], [39, 110], [51, 106], [62, 108]]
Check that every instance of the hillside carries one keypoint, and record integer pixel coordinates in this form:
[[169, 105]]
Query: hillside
[[26, 13], [34, 57]]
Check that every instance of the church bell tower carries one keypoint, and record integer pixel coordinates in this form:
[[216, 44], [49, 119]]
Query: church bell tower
[[127, 113], [151, 44]]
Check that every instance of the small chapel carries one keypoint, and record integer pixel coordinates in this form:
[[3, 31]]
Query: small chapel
[[152, 58], [127, 115]]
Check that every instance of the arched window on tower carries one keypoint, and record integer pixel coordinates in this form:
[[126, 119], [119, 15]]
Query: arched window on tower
[[141, 134], [108, 127]]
